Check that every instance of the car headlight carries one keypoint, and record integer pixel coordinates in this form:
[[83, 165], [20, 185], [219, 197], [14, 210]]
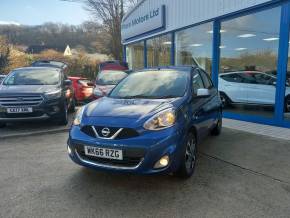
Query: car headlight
[[162, 120], [78, 118], [98, 92], [53, 95]]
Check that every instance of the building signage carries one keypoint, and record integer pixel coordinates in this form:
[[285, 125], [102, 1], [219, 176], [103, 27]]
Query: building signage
[[151, 20]]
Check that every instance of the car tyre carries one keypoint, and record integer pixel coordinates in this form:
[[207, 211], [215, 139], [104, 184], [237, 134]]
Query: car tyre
[[217, 130], [287, 104], [2, 125], [225, 100], [189, 156], [63, 120]]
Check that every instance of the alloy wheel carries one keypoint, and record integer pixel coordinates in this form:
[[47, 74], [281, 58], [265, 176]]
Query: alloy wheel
[[190, 154]]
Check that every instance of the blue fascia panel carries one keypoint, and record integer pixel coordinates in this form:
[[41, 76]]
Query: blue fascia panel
[[216, 52], [282, 63]]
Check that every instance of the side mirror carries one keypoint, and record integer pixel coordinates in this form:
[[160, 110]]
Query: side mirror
[[67, 82], [202, 93]]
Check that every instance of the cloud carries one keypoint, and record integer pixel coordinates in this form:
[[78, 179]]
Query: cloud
[[9, 23]]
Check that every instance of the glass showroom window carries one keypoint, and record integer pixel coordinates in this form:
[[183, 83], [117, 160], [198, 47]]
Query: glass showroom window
[[287, 91], [135, 55], [158, 51], [248, 63], [194, 46]]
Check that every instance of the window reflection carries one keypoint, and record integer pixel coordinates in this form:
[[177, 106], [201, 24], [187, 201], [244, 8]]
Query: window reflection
[[248, 63], [135, 55], [194, 46], [158, 51]]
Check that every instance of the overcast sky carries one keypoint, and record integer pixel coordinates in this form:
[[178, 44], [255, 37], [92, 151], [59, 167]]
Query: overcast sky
[[35, 12]]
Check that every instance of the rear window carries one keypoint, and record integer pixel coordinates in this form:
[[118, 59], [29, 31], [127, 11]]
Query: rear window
[[110, 77]]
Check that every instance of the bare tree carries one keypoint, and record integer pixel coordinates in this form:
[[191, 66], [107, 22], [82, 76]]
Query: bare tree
[[110, 13], [4, 54]]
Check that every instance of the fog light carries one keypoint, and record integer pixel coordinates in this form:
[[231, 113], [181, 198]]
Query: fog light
[[163, 162], [68, 150]]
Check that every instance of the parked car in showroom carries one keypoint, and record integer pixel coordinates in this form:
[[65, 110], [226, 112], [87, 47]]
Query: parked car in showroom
[[250, 88], [150, 123], [36, 93], [83, 89], [107, 80]]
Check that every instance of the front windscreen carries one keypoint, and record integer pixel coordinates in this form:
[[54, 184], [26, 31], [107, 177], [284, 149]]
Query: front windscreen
[[152, 84], [33, 77], [110, 77]]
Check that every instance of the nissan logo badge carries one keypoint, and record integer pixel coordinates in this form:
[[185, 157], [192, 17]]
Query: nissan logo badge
[[106, 132]]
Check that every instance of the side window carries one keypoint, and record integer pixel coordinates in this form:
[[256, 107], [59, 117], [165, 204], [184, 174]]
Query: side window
[[207, 81], [197, 83], [263, 79], [248, 78], [235, 78]]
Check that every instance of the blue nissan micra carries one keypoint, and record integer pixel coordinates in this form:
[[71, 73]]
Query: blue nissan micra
[[150, 123]]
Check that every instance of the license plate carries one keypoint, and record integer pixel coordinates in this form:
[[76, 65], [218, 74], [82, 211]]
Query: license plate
[[104, 153], [17, 110]]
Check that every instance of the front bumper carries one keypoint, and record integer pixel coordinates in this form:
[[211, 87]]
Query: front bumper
[[45, 110], [140, 153]]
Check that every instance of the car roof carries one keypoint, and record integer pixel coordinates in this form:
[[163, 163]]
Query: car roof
[[37, 68], [49, 63], [245, 71]]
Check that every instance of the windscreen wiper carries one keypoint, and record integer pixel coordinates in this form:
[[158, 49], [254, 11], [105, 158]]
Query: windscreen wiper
[[167, 96]]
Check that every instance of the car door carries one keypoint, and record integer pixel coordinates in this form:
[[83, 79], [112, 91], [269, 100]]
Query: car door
[[260, 89], [200, 118], [212, 104], [232, 85]]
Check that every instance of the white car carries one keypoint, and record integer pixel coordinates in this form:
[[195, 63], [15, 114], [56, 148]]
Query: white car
[[250, 88]]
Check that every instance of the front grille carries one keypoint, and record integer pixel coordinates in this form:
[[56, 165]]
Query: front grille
[[112, 130], [21, 100], [131, 157], [115, 133]]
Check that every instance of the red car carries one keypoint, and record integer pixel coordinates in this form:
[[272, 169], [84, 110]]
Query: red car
[[83, 89], [113, 65]]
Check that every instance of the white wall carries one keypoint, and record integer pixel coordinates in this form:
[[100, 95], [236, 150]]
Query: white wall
[[181, 13]]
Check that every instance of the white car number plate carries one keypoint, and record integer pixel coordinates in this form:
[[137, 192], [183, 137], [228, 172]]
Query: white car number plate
[[17, 110], [104, 153]]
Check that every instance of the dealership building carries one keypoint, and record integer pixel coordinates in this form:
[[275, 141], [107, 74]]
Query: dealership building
[[242, 44]]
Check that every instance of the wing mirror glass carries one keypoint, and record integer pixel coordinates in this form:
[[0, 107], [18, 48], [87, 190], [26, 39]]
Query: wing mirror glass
[[202, 93]]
